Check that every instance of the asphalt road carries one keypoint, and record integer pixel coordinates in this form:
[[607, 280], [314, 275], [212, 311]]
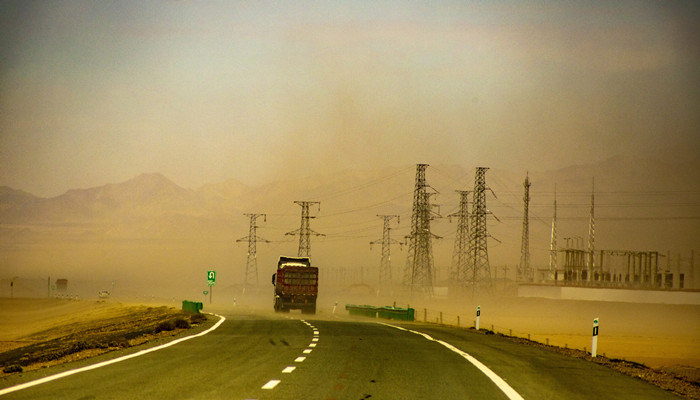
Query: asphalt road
[[249, 357]]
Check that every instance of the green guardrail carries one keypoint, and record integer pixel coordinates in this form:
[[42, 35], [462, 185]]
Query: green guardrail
[[402, 314], [387, 312], [365, 310], [192, 306]]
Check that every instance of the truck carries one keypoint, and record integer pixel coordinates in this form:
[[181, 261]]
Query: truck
[[296, 285]]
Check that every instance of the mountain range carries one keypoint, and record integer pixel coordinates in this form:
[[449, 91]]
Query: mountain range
[[640, 204]]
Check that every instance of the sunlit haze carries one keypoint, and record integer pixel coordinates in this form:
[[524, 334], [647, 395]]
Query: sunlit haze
[[100, 92]]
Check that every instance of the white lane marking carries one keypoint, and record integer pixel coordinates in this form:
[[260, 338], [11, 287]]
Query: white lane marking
[[312, 345], [307, 351], [505, 387], [314, 339], [316, 333], [271, 384], [109, 362], [288, 370], [299, 359]]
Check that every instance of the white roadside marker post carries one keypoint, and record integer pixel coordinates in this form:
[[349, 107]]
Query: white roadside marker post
[[594, 342], [336, 305], [478, 314]]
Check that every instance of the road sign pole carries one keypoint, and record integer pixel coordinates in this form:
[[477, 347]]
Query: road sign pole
[[211, 281], [594, 341]]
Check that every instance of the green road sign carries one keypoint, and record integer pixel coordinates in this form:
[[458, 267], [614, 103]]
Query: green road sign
[[206, 292], [211, 278]]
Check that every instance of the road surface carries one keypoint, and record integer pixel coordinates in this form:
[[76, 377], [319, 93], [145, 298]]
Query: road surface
[[300, 357]]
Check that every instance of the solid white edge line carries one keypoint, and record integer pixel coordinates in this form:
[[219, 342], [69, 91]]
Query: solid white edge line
[[503, 385], [108, 362]]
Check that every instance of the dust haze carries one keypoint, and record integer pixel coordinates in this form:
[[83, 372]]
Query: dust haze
[[134, 138]]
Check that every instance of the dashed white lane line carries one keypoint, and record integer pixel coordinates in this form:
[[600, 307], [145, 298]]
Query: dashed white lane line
[[288, 370], [271, 384], [505, 387], [108, 362]]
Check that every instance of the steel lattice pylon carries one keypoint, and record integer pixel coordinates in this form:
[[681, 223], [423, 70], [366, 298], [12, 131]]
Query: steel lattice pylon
[[305, 231], [460, 255], [419, 272], [385, 276], [251, 265], [525, 273], [479, 270], [553, 242], [591, 234]]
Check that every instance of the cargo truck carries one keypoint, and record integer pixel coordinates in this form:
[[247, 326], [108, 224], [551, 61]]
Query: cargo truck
[[296, 285]]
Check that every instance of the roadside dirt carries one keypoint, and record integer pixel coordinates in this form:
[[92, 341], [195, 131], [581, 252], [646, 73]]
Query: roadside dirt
[[37, 333]]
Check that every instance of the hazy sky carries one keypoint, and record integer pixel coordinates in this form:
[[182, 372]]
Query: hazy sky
[[93, 92]]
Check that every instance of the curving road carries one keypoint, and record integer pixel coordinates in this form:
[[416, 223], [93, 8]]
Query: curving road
[[271, 357]]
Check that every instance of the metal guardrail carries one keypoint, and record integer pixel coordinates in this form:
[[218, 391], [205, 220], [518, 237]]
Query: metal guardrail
[[192, 306], [386, 312]]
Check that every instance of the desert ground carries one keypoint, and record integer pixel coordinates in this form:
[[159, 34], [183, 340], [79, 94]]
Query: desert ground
[[36, 333]]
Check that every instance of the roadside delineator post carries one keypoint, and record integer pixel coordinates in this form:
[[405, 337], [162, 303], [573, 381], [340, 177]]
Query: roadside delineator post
[[478, 314], [336, 305], [594, 341]]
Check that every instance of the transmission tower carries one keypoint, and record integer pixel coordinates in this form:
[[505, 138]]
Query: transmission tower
[[419, 271], [251, 264], [591, 234], [479, 269], [385, 265], [553, 242], [524, 271], [460, 255], [305, 231]]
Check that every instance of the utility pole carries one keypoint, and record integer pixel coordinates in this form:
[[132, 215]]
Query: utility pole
[[524, 271], [419, 264], [479, 269], [460, 254], [251, 265], [553, 242], [591, 234], [305, 231], [385, 265]]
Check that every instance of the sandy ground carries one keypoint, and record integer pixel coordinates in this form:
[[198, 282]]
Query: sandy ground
[[36, 333], [22, 321]]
